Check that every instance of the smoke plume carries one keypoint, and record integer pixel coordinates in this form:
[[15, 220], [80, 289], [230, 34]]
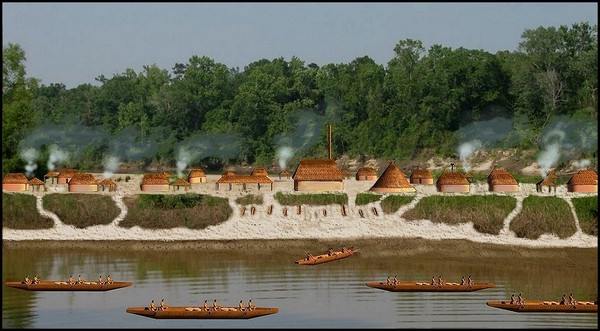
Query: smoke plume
[[466, 149], [305, 132], [218, 145], [582, 164], [57, 156], [111, 164], [481, 134], [30, 155], [283, 156]]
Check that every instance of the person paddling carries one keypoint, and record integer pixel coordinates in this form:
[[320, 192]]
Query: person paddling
[[433, 283], [250, 305], [563, 300], [71, 280], [241, 306], [27, 280], [152, 306], [100, 281], [440, 281], [470, 281], [108, 279], [206, 305], [462, 280], [572, 300], [79, 281], [163, 305], [215, 306], [36, 280], [395, 280], [512, 299], [520, 300]]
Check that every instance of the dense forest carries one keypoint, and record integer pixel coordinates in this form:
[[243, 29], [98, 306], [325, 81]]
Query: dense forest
[[412, 105]]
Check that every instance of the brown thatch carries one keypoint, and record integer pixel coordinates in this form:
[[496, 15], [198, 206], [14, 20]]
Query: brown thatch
[[452, 178], [318, 170], [107, 182], [156, 178], [584, 177], [284, 173], [15, 178], [83, 179], [549, 180], [36, 181], [52, 174], [244, 179], [366, 171], [195, 173], [499, 176], [66, 173], [259, 172], [419, 173], [392, 178], [229, 173], [180, 182]]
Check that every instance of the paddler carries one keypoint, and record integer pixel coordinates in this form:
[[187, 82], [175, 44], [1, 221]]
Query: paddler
[[108, 279], [215, 306], [27, 280], [241, 306], [572, 300], [206, 305], [36, 280], [330, 251], [433, 281], [440, 281], [79, 281], [462, 280], [163, 305], [71, 280], [250, 305], [100, 281], [470, 281], [512, 299], [152, 305], [563, 300], [520, 300], [388, 281], [395, 279]]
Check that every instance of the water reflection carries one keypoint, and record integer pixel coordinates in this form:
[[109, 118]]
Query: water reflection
[[329, 295]]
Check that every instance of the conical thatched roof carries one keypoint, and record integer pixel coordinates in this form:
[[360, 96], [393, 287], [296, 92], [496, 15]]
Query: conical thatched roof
[[420, 173], [549, 180], [180, 182], [392, 178], [197, 172], [107, 182], [584, 177], [66, 173], [15, 178], [259, 172], [499, 176], [36, 181]]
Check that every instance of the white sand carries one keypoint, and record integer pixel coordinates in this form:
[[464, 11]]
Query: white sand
[[310, 224]]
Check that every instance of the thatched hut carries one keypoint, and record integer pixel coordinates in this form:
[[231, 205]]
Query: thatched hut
[[421, 176], [83, 182], [37, 184], [549, 182], [180, 182], [65, 175], [15, 182], [244, 180], [259, 172], [392, 180], [284, 173], [318, 175], [584, 181], [500, 180], [52, 175], [366, 173], [155, 182], [451, 181], [197, 176], [108, 184]]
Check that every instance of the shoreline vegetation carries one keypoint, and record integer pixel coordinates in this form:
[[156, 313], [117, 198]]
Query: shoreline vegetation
[[19, 212], [587, 213], [190, 210], [366, 198], [544, 215], [392, 203], [487, 213], [317, 199], [250, 199], [81, 210]]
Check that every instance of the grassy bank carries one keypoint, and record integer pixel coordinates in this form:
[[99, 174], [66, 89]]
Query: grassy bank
[[544, 215], [194, 211], [587, 213], [311, 199], [19, 212], [486, 212], [366, 198], [82, 210], [392, 203], [250, 199]]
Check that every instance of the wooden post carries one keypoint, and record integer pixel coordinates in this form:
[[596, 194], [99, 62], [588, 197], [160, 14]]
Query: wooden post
[[329, 141]]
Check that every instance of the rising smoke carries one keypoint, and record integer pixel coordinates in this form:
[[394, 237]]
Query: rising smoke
[[30, 155], [306, 129], [222, 146], [481, 134], [56, 157]]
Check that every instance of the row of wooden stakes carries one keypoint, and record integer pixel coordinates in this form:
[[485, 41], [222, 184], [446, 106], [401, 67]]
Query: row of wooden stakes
[[299, 211]]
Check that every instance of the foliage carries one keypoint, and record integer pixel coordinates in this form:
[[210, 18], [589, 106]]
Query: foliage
[[587, 213], [486, 212], [311, 199], [82, 210], [551, 215], [19, 212], [366, 198], [392, 203], [250, 199]]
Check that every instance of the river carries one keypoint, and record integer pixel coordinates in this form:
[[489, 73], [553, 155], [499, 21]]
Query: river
[[328, 295]]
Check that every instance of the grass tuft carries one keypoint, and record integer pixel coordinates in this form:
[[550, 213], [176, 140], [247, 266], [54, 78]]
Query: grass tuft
[[250, 199], [544, 215], [587, 213], [311, 199], [19, 212], [392, 203], [366, 198], [82, 210]]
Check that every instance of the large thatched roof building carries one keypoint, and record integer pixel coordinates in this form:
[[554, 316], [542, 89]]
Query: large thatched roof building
[[65, 175], [584, 181], [83, 182], [318, 175], [500, 180], [366, 173], [230, 179], [549, 181], [421, 176], [392, 180], [15, 182], [155, 182], [197, 176], [451, 181]]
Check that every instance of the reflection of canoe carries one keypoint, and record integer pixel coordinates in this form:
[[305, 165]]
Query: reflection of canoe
[[199, 313], [427, 287], [49, 285], [545, 307], [337, 255]]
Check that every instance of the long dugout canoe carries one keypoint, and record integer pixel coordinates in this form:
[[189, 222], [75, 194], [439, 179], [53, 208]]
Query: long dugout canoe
[[427, 287], [537, 306], [327, 258], [200, 313], [49, 285]]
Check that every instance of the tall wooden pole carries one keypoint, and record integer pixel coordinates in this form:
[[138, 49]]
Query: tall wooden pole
[[329, 141]]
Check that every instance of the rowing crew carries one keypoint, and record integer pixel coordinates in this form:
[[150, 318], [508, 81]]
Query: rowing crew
[[79, 280], [330, 252], [215, 306], [518, 301], [440, 282], [33, 281]]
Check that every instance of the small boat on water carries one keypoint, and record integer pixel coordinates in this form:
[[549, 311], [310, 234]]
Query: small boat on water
[[323, 258], [537, 306], [50, 285], [201, 313], [427, 287]]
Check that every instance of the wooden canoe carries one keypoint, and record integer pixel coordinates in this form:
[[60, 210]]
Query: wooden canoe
[[200, 313], [427, 287], [324, 258], [536, 306], [360, 212], [49, 285]]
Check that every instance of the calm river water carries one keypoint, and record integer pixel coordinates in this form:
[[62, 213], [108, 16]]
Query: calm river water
[[328, 295]]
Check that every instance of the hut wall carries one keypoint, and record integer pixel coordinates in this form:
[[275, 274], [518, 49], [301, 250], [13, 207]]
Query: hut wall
[[14, 187], [583, 188], [63, 180], [366, 177], [424, 181], [453, 188], [83, 188], [197, 180], [155, 188], [393, 190], [318, 186], [504, 188]]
